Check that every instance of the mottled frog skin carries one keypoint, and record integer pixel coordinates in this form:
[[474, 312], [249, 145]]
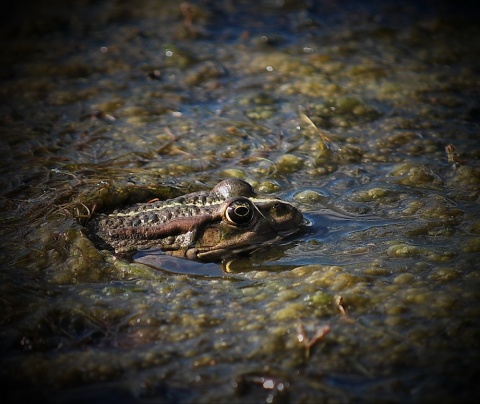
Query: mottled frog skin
[[207, 226]]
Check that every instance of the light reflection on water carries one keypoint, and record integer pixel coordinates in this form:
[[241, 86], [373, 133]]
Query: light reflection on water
[[393, 90]]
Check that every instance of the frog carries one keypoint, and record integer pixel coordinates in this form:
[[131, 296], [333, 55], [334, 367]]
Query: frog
[[210, 226]]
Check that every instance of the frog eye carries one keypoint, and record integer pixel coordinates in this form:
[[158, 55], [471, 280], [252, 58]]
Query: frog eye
[[239, 212]]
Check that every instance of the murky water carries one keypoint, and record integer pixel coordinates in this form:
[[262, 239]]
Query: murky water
[[363, 114]]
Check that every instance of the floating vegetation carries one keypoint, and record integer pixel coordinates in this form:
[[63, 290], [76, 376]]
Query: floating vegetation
[[369, 125]]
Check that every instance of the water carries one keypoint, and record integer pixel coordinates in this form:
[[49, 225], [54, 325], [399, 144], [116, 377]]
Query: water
[[363, 114]]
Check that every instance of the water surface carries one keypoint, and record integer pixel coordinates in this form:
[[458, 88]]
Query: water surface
[[363, 114]]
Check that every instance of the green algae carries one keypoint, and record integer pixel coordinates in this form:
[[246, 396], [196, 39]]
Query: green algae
[[119, 105]]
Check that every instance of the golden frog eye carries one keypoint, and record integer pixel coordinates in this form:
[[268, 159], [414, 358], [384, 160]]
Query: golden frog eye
[[240, 212]]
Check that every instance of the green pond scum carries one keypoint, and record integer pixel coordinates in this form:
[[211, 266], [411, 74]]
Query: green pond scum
[[363, 114]]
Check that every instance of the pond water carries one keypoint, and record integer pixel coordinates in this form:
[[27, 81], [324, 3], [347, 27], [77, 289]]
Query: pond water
[[364, 114]]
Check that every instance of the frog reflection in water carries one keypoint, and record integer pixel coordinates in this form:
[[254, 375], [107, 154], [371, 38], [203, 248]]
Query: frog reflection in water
[[206, 226]]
